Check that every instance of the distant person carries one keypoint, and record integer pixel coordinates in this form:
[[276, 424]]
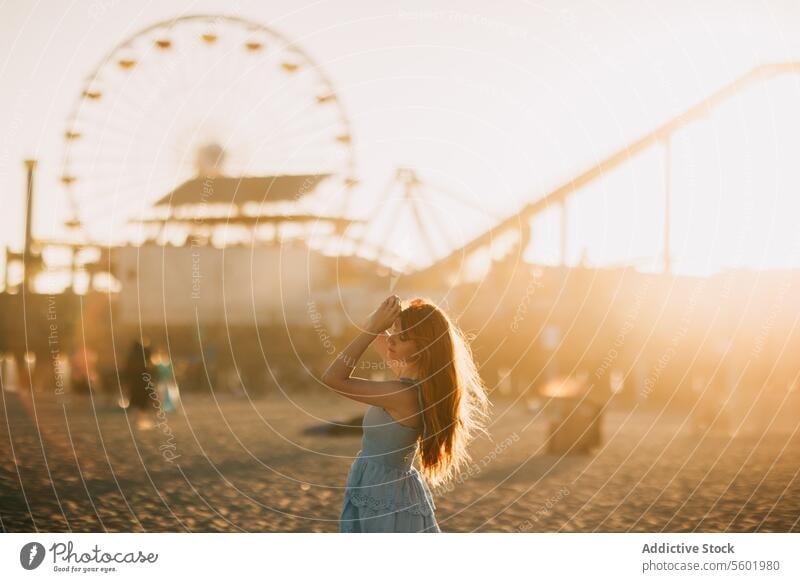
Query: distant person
[[164, 380], [433, 408], [139, 380]]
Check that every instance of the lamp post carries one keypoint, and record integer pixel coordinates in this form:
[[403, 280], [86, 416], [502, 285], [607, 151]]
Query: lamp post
[[27, 257], [667, 263]]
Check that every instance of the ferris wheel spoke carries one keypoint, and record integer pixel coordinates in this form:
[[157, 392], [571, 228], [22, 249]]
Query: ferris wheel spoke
[[105, 125], [131, 91], [125, 145], [304, 127]]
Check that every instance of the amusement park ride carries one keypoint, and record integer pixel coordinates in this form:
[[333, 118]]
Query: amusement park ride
[[174, 189], [209, 161], [141, 169]]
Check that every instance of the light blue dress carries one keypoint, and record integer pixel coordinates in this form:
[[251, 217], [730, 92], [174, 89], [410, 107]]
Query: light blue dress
[[385, 492]]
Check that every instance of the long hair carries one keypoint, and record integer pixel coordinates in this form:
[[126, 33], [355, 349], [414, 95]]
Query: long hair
[[454, 400]]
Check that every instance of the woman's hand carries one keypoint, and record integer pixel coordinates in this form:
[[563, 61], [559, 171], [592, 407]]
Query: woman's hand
[[384, 316]]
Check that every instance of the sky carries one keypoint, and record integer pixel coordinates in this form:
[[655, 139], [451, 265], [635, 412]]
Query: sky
[[500, 102]]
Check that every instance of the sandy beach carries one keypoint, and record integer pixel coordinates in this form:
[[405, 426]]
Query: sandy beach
[[238, 465]]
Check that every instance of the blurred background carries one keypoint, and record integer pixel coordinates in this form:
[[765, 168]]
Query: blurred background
[[213, 196]]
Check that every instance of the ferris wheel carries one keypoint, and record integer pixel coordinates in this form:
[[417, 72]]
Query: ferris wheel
[[198, 95]]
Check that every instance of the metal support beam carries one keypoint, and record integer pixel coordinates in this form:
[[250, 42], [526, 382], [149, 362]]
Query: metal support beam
[[27, 257], [667, 204], [563, 245]]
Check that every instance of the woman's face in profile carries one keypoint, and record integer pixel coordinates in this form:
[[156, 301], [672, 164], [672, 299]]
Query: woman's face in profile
[[400, 347]]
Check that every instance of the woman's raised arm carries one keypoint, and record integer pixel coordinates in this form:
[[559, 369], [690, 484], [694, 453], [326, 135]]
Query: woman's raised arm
[[337, 376]]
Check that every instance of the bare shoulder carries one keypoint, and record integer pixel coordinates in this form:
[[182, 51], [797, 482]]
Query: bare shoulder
[[405, 406], [399, 394]]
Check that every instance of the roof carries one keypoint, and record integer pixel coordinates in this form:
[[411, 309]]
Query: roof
[[250, 220], [239, 191]]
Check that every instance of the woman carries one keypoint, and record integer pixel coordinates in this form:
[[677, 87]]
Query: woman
[[433, 409]]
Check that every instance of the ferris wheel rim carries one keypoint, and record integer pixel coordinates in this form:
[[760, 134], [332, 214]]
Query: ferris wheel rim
[[347, 173]]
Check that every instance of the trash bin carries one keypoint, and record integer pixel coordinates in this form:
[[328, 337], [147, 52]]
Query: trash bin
[[575, 414], [577, 428]]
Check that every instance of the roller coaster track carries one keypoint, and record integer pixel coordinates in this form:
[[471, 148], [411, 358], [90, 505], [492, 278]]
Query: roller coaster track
[[519, 220]]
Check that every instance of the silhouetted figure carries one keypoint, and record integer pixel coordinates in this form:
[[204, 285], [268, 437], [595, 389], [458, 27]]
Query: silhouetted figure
[[139, 380]]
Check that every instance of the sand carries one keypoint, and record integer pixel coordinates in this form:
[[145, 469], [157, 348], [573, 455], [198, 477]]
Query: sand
[[70, 464]]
